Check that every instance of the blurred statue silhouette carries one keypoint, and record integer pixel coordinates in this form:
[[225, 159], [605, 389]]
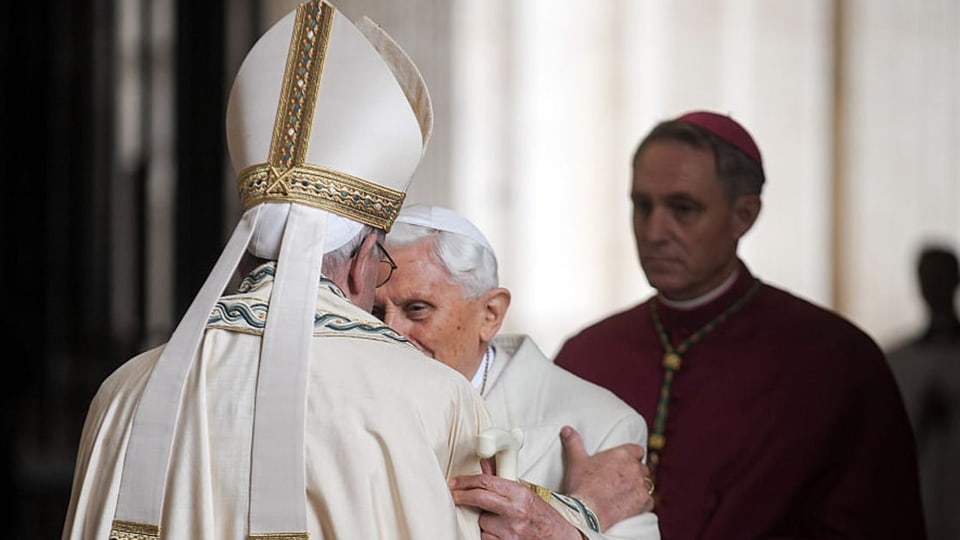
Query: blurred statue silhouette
[[927, 368]]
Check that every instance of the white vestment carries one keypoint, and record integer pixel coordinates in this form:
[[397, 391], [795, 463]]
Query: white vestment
[[526, 390], [386, 427]]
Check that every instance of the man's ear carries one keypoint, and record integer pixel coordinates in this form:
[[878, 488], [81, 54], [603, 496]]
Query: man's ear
[[358, 277], [745, 211], [495, 304]]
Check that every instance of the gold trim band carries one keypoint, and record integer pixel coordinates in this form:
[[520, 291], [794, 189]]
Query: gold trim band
[[541, 491], [301, 85], [322, 188], [279, 536], [129, 530]]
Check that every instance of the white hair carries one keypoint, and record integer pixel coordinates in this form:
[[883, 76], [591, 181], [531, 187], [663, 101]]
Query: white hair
[[471, 265]]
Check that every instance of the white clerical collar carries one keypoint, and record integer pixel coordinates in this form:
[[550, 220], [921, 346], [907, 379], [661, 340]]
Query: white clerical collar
[[480, 377], [706, 298]]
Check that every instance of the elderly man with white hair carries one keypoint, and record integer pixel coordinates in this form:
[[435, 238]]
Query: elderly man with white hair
[[445, 297]]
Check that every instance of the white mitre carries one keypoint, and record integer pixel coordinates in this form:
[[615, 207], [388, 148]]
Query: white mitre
[[326, 124]]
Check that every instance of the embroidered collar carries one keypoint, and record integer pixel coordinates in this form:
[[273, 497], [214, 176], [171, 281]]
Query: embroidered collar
[[262, 275]]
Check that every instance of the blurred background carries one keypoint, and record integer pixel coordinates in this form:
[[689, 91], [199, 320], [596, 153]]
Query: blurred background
[[119, 192]]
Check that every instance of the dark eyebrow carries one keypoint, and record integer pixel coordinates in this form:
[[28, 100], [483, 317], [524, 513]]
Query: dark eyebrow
[[677, 197], [682, 197]]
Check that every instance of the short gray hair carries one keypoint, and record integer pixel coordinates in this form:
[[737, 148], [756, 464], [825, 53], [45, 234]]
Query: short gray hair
[[336, 259], [472, 266]]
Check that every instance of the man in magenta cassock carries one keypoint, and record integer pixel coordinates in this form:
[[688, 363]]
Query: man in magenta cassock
[[770, 417]]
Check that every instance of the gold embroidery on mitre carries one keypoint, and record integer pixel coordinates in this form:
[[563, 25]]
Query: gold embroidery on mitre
[[129, 530], [301, 85], [279, 536], [326, 189], [286, 177]]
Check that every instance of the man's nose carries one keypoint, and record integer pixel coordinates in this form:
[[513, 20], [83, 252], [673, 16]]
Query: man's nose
[[656, 226]]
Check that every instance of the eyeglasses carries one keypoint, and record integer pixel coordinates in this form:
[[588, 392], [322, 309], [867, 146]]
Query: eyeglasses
[[387, 266]]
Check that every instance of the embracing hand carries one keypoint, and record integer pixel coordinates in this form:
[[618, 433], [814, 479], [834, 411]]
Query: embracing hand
[[615, 482], [510, 510]]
